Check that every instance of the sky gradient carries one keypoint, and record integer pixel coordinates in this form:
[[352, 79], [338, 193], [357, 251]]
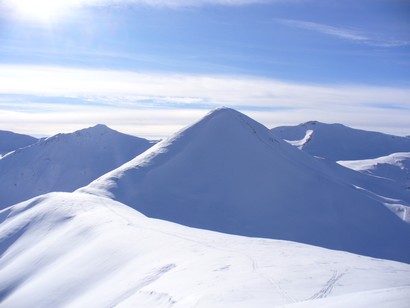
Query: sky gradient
[[150, 67]]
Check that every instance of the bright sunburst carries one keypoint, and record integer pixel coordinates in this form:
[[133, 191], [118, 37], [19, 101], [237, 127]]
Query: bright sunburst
[[41, 10]]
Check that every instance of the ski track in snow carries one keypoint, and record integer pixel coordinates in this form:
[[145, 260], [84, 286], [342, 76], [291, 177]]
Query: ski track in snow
[[150, 278], [327, 287], [276, 284], [253, 278], [165, 269]]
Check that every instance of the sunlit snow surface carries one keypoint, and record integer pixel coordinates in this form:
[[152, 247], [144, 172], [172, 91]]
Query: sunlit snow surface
[[79, 250], [395, 168]]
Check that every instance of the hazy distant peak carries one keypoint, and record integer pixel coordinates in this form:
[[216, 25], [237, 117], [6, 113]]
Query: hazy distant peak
[[339, 142], [96, 129], [65, 162], [309, 123], [319, 124], [10, 141]]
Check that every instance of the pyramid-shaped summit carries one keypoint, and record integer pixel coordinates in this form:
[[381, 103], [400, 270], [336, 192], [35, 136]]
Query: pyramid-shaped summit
[[229, 173]]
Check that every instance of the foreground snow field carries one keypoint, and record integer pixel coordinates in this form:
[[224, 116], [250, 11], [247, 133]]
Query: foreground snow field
[[79, 250]]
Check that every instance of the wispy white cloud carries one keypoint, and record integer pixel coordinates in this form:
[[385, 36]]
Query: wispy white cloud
[[168, 3], [148, 123], [345, 33], [49, 10], [128, 87], [47, 100]]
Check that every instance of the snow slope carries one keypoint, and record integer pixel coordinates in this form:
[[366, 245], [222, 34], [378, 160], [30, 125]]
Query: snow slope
[[395, 168], [79, 250], [10, 141], [64, 162], [339, 142], [228, 173]]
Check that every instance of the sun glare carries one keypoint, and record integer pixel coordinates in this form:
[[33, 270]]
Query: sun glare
[[40, 10]]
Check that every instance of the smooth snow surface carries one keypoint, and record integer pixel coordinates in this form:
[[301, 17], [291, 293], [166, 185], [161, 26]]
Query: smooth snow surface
[[79, 250], [64, 162], [10, 141], [395, 168], [339, 142], [229, 173]]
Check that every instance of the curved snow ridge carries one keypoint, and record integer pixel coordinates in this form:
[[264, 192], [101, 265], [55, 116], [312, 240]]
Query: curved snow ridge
[[79, 250], [302, 142], [394, 167], [399, 160], [340, 142]]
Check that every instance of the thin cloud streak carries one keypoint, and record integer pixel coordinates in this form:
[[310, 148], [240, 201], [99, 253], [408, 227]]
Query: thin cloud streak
[[44, 100], [163, 3], [161, 122], [120, 87], [149, 123], [343, 33]]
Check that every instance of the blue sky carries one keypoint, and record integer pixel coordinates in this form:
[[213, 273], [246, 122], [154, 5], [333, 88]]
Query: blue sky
[[150, 67]]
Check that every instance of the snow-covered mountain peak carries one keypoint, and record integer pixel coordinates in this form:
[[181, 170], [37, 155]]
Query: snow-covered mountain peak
[[227, 117], [227, 173], [310, 123], [87, 133], [340, 142], [228, 123], [65, 162], [99, 129], [10, 141]]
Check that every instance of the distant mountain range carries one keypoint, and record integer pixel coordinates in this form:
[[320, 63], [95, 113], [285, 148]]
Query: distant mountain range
[[64, 162], [381, 156], [10, 141], [339, 142]]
